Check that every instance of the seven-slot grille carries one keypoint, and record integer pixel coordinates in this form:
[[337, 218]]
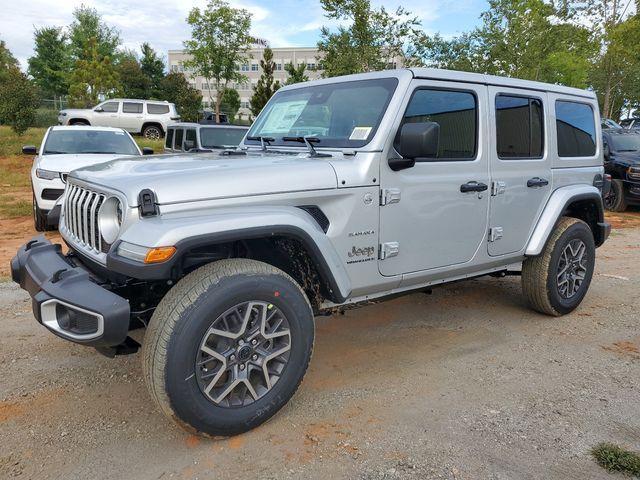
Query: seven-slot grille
[[81, 207]]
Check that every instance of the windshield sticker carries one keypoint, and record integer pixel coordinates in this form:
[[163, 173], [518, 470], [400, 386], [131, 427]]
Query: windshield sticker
[[283, 116], [119, 133], [360, 133]]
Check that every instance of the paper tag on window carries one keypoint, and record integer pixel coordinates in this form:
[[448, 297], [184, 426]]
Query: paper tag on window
[[360, 133]]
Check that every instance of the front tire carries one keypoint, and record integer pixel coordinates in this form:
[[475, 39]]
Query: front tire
[[556, 281], [228, 346], [39, 218], [615, 200]]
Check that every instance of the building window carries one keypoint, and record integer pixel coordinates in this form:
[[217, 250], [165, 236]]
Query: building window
[[457, 114], [576, 129], [174, 68], [392, 66], [254, 67], [244, 67], [311, 66], [278, 67], [519, 127]]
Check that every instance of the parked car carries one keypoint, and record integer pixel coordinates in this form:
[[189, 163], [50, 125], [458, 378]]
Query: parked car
[[209, 118], [64, 149], [147, 117], [607, 123], [631, 123], [622, 162], [346, 190], [193, 137]]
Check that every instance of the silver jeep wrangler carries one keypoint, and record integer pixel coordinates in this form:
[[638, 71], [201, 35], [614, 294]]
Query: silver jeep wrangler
[[344, 191]]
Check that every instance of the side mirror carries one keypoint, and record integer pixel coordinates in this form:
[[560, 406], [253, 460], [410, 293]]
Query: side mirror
[[417, 140], [189, 145], [607, 151], [98, 109], [29, 150], [147, 151]]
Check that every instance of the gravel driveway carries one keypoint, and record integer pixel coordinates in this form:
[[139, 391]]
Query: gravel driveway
[[466, 383]]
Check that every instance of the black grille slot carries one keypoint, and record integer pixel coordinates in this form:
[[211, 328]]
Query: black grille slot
[[318, 215]]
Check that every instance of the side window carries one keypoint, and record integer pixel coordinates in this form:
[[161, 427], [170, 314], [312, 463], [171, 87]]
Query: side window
[[179, 137], [169, 140], [131, 107], [190, 139], [110, 107], [457, 114], [519, 127], [576, 129], [156, 109]]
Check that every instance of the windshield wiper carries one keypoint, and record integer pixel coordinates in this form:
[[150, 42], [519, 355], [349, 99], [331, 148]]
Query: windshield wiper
[[308, 142], [100, 153], [53, 152], [264, 141], [629, 150]]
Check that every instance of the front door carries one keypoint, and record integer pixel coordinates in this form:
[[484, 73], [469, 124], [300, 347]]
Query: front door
[[434, 214], [520, 167], [109, 116]]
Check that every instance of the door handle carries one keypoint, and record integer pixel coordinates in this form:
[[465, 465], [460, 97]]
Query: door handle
[[473, 186], [536, 182]]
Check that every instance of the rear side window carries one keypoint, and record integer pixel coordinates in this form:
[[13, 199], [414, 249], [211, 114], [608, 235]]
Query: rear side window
[[131, 107], [576, 129], [190, 136], [519, 127], [455, 112], [169, 140], [179, 137], [155, 109]]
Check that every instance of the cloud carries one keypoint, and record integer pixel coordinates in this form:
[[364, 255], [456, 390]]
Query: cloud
[[162, 22]]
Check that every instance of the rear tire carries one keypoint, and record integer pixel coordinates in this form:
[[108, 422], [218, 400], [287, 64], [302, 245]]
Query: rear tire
[[152, 132], [615, 200], [556, 281], [39, 217], [196, 366]]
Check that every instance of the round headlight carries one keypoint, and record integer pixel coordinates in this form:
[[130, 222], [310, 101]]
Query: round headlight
[[110, 219]]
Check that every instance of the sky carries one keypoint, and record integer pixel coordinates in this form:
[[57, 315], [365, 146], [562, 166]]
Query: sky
[[283, 23]]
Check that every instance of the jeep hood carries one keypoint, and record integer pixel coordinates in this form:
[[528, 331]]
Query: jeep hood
[[67, 162], [208, 176]]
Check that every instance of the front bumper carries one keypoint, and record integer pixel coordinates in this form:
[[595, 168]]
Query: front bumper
[[66, 297]]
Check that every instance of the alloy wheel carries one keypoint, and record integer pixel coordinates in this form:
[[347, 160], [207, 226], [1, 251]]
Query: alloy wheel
[[243, 354], [572, 268]]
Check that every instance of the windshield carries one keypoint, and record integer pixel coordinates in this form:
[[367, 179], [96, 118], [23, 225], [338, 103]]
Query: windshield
[[221, 137], [341, 115], [626, 143], [89, 141]]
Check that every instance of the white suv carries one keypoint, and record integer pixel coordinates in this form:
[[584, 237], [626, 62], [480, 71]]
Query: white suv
[[148, 117]]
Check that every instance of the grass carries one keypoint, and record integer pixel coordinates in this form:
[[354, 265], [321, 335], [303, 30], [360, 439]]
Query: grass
[[13, 207], [613, 458], [11, 144]]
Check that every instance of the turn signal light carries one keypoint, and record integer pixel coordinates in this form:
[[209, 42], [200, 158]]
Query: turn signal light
[[160, 254]]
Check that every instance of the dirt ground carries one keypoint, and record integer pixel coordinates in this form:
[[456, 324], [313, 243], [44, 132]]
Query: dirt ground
[[466, 383]]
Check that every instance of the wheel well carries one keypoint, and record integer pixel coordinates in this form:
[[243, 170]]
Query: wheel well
[[286, 253], [79, 121], [590, 211], [152, 124]]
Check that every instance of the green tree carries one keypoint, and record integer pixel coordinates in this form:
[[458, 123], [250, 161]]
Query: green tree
[[296, 74], [133, 81], [87, 27], [7, 61], [219, 43], [266, 86], [94, 75], [230, 103], [50, 66], [18, 100], [528, 39], [175, 88], [373, 38], [153, 67]]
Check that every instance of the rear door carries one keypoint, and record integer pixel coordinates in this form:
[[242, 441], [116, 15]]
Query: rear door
[[520, 166], [132, 118]]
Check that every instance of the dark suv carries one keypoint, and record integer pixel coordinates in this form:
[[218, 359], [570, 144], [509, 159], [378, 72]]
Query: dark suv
[[622, 162]]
